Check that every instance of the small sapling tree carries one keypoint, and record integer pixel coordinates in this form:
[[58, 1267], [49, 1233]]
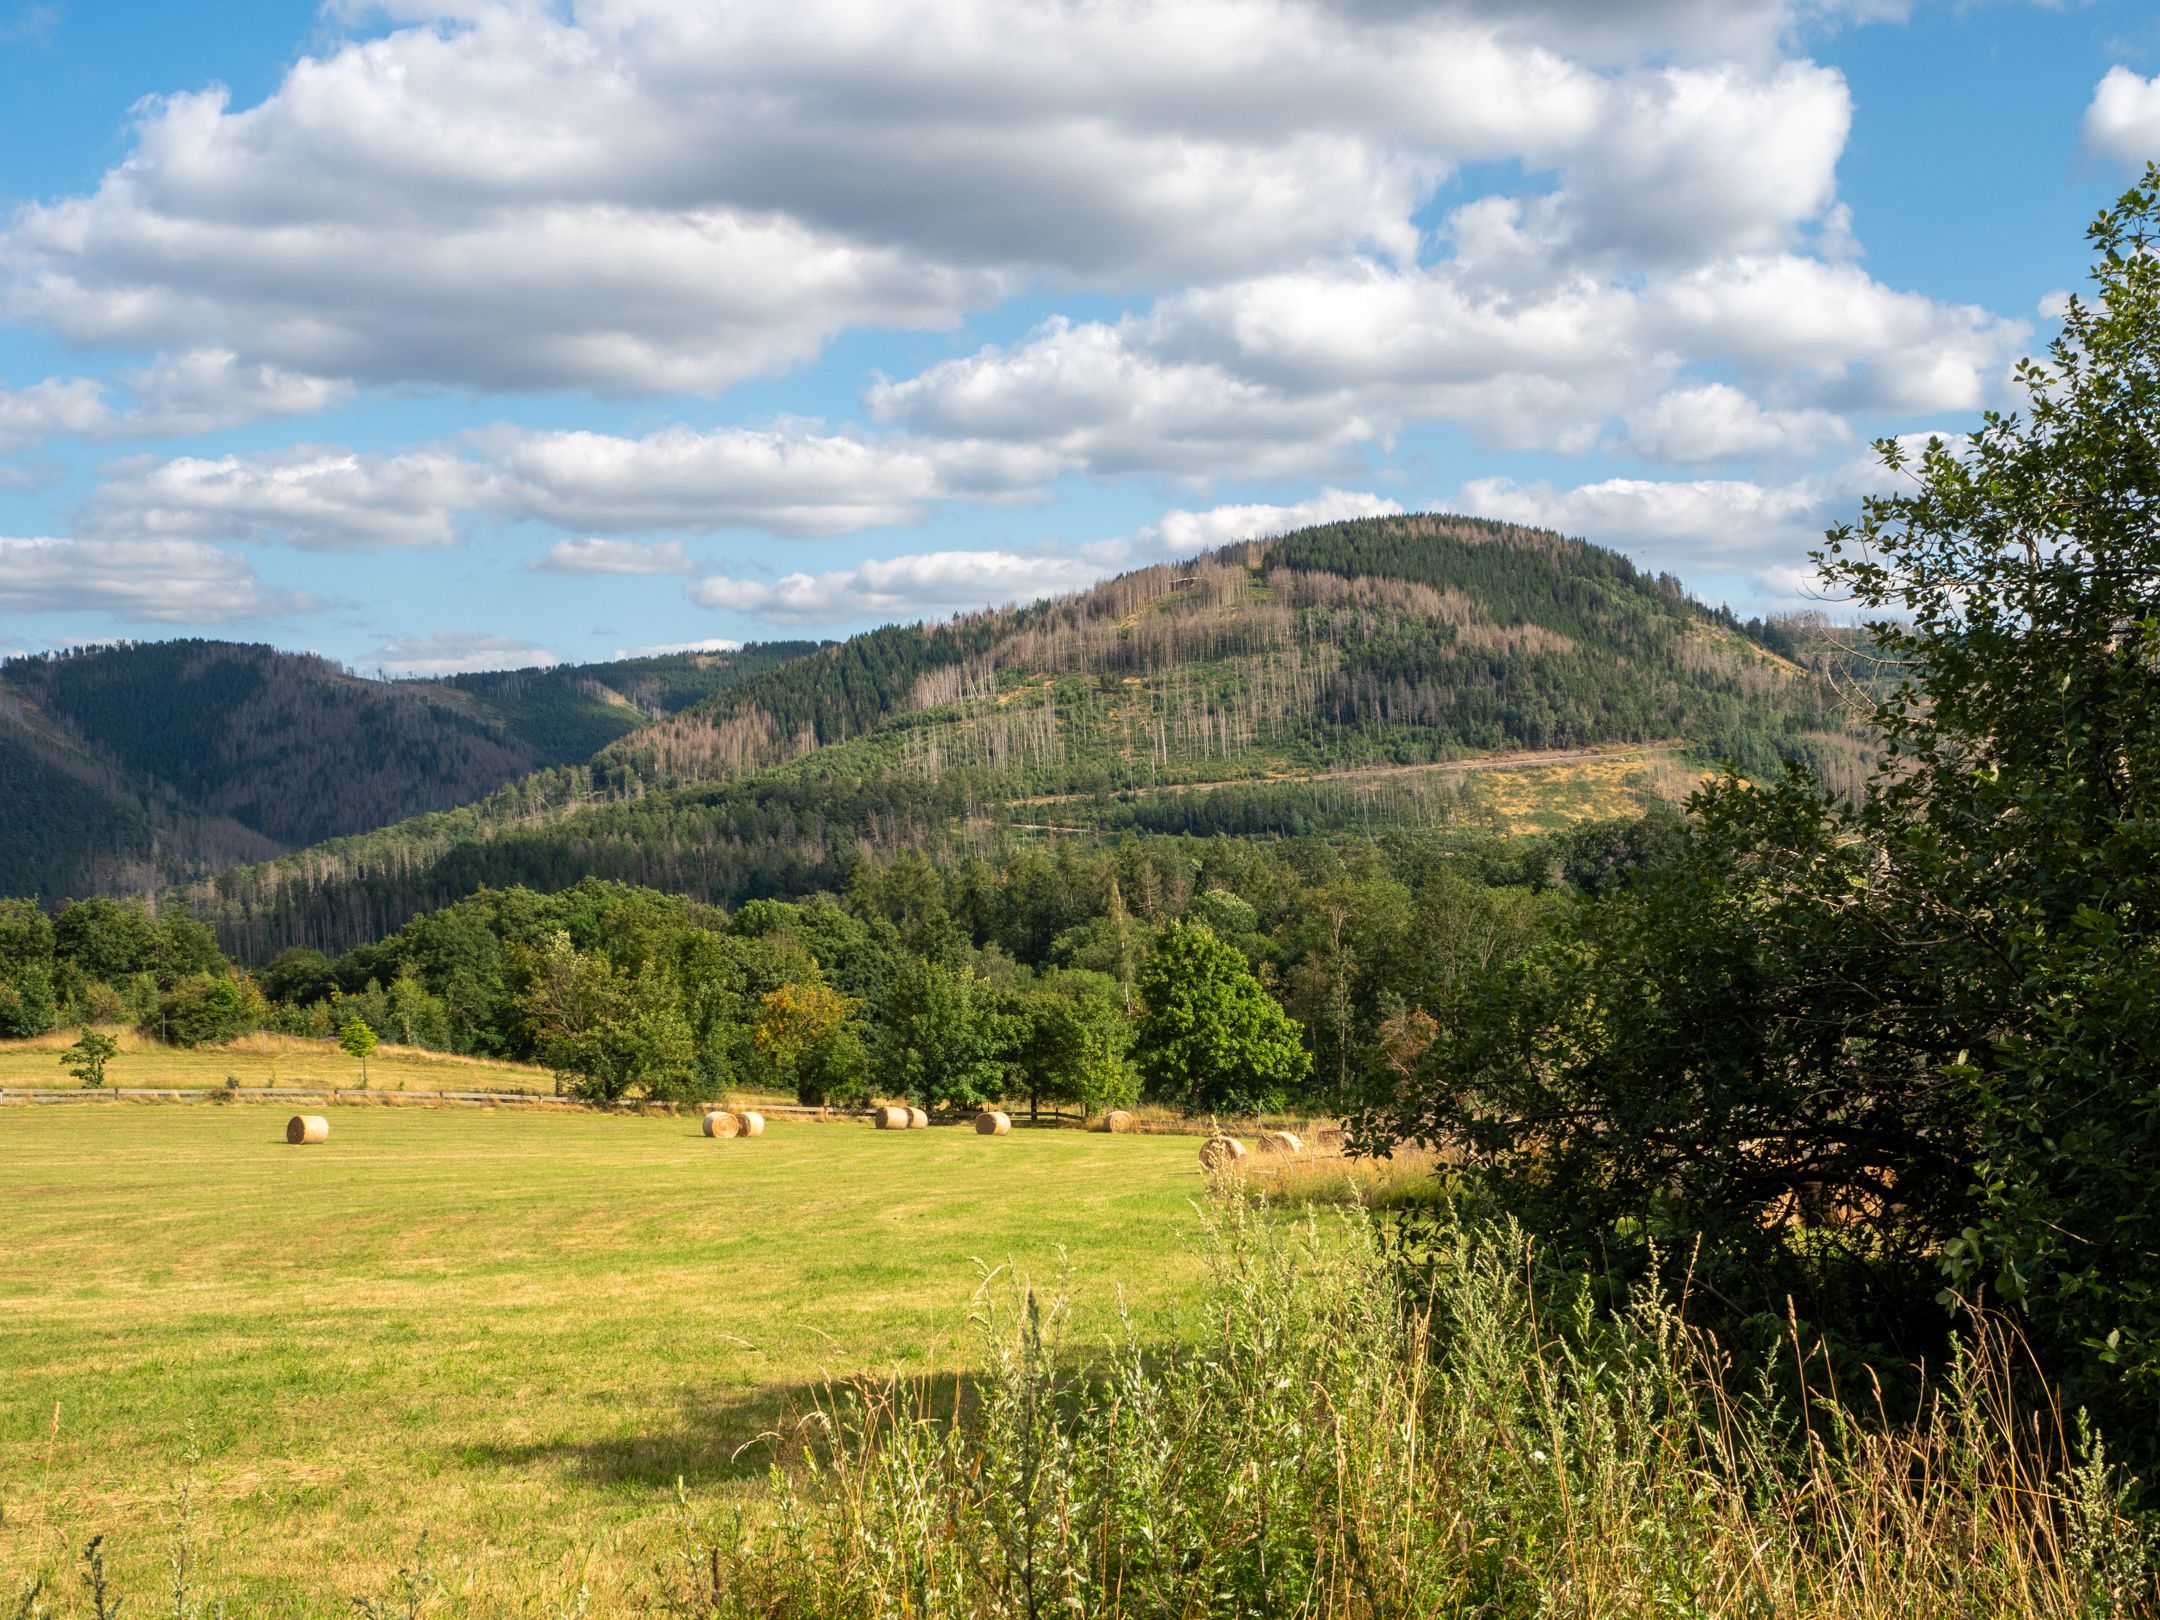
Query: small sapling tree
[[356, 1040], [87, 1058]]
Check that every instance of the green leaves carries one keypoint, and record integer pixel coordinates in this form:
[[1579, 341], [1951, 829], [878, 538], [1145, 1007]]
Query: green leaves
[[87, 1058], [1210, 1038], [1947, 991], [939, 1037]]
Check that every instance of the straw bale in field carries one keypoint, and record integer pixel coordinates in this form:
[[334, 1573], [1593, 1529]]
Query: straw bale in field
[[918, 1120], [722, 1124], [992, 1123], [307, 1128], [1220, 1153], [890, 1119], [1120, 1120], [752, 1122], [1280, 1142]]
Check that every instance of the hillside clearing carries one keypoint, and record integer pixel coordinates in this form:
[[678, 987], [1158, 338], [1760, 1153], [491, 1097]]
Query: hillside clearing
[[1522, 761]]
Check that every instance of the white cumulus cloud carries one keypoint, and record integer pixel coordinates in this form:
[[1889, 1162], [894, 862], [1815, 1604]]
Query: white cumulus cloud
[[929, 584], [203, 390], [319, 498], [1302, 371], [455, 652], [175, 396], [2122, 120], [151, 581], [604, 556], [711, 644], [1181, 533], [29, 416], [1707, 518], [794, 480], [1713, 422], [664, 195], [923, 585]]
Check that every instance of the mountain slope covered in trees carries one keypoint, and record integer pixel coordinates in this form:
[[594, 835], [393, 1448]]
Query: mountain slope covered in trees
[[1287, 686], [126, 767]]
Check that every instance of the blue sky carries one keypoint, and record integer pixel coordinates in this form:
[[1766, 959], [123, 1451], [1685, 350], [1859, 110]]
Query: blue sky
[[462, 333]]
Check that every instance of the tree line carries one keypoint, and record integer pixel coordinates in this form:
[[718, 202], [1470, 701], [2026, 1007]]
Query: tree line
[[1217, 975]]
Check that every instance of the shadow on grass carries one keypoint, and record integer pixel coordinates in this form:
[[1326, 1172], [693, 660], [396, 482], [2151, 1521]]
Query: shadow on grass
[[715, 1438]]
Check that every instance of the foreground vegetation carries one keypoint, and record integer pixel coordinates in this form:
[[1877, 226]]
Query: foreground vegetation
[[1338, 1444], [675, 1407]]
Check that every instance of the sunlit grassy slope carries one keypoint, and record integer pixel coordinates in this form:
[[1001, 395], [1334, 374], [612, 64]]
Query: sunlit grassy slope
[[265, 1060]]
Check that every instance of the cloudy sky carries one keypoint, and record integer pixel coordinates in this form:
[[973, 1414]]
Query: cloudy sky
[[442, 334]]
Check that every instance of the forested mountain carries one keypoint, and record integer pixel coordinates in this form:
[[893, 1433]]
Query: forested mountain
[[126, 767], [1337, 677]]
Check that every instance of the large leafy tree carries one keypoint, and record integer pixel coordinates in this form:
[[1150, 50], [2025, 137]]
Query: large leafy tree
[[1930, 1013], [203, 1009], [2019, 818], [606, 1032], [806, 1039], [1210, 1037], [1069, 1042], [105, 941], [940, 1037]]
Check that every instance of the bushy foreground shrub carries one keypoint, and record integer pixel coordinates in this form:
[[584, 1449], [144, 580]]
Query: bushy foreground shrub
[[1334, 1447]]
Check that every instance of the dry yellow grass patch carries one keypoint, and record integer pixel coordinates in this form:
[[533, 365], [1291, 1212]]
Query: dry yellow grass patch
[[264, 1060], [1551, 798], [1327, 1175]]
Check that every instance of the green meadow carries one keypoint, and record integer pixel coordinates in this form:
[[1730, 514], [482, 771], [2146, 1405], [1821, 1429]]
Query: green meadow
[[512, 1333]]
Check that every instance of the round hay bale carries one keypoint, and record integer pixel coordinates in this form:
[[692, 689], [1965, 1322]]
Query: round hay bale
[[1119, 1120], [992, 1123], [890, 1119], [722, 1124], [307, 1128], [918, 1120], [752, 1122], [1220, 1153], [1281, 1142]]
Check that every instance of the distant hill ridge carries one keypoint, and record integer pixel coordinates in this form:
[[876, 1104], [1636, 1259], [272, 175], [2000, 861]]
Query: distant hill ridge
[[130, 766], [1273, 672]]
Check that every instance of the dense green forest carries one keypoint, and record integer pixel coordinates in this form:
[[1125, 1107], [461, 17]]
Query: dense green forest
[[1237, 693], [635, 990], [126, 767]]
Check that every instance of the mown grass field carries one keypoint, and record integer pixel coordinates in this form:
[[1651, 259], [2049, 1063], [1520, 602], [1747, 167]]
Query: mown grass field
[[264, 1060], [512, 1332]]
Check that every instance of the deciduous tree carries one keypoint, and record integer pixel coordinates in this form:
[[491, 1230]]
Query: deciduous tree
[[87, 1058], [1210, 1038], [357, 1041]]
